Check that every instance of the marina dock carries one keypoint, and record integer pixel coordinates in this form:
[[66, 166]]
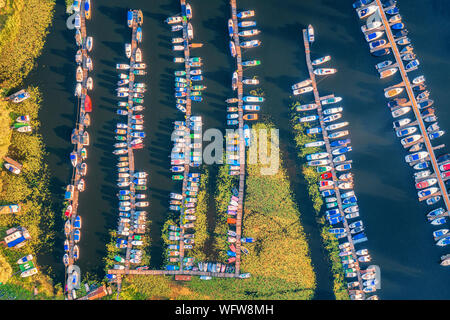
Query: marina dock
[[80, 127], [240, 92], [328, 148], [408, 86]]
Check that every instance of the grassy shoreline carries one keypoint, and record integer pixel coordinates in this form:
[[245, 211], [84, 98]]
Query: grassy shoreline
[[312, 177], [24, 26]]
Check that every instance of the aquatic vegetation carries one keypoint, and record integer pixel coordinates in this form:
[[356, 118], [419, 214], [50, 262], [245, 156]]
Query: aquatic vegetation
[[30, 189], [5, 269], [312, 177], [22, 39], [278, 261]]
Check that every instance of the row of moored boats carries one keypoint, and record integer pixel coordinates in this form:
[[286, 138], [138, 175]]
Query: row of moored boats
[[405, 124], [336, 180]]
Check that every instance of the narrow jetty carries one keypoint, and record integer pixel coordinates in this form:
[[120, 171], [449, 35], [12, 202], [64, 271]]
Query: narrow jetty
[[408, 86], [240, 94], [187, 67], [137, 228], [337, 191], [79, 145], [421, 150]]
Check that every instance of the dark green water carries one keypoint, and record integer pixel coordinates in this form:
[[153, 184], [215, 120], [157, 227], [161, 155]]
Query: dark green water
[[400, 239]]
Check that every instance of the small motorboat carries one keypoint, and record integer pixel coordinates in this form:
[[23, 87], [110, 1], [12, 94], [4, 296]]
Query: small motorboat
[[319, 61], [246, 14], [310, 33], [303, 90], [324, 71], [332, 111], [301, 84], [364, 13], [371, 26], [374, 36], [393, 92], [331, 100], [388, 72], [398, 26]]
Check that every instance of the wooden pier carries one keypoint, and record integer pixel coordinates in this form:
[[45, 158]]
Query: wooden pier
[[407, 85], [130, 150], [187, 158], [328, 149], [240, 93], [80, 127]]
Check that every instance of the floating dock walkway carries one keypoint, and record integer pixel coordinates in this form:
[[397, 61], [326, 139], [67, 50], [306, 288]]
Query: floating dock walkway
[[80, 127], [318, 102], [240, 92], [408, 86]]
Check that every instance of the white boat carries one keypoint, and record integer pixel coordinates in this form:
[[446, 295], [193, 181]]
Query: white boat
[[400, 111], [371, 26], [310, 33], [367, 11], [128, 50], [304, 83], [303, 90], [324, 71], [319, 61]]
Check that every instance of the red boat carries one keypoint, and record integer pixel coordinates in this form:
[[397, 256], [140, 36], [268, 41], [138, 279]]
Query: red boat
[[231, 260], [68, 212], [445, 174], [326, 183], [326, 175], [87, 104], [138, 146], [232, 248]]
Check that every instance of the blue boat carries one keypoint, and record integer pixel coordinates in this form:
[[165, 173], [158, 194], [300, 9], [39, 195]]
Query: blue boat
[[341, 150], [331, 216], [130, 18], [360, 237], [231, 253], [139, 34], [412, 64], [439, 221], [77, 223], [197, 98], [247, 240], [332, 211], [392, 11], [327, 193], [246, 135], [172, 267], [421, 165], [230, 28], [338, 143], [197, 78], [349, 200], [398, 26], [425, 104], [76, 235], [360, 3], [336, 220], [381, 52], [336, 230], [313, 130], [435, 213], [232, 122]]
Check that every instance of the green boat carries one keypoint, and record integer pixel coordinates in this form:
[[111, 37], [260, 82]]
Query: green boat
[[20, 124], [177, 177], [138, 100], [322, 169], [119, 259], [121, 138], [26, 266], [141, 188], [124, 198]]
